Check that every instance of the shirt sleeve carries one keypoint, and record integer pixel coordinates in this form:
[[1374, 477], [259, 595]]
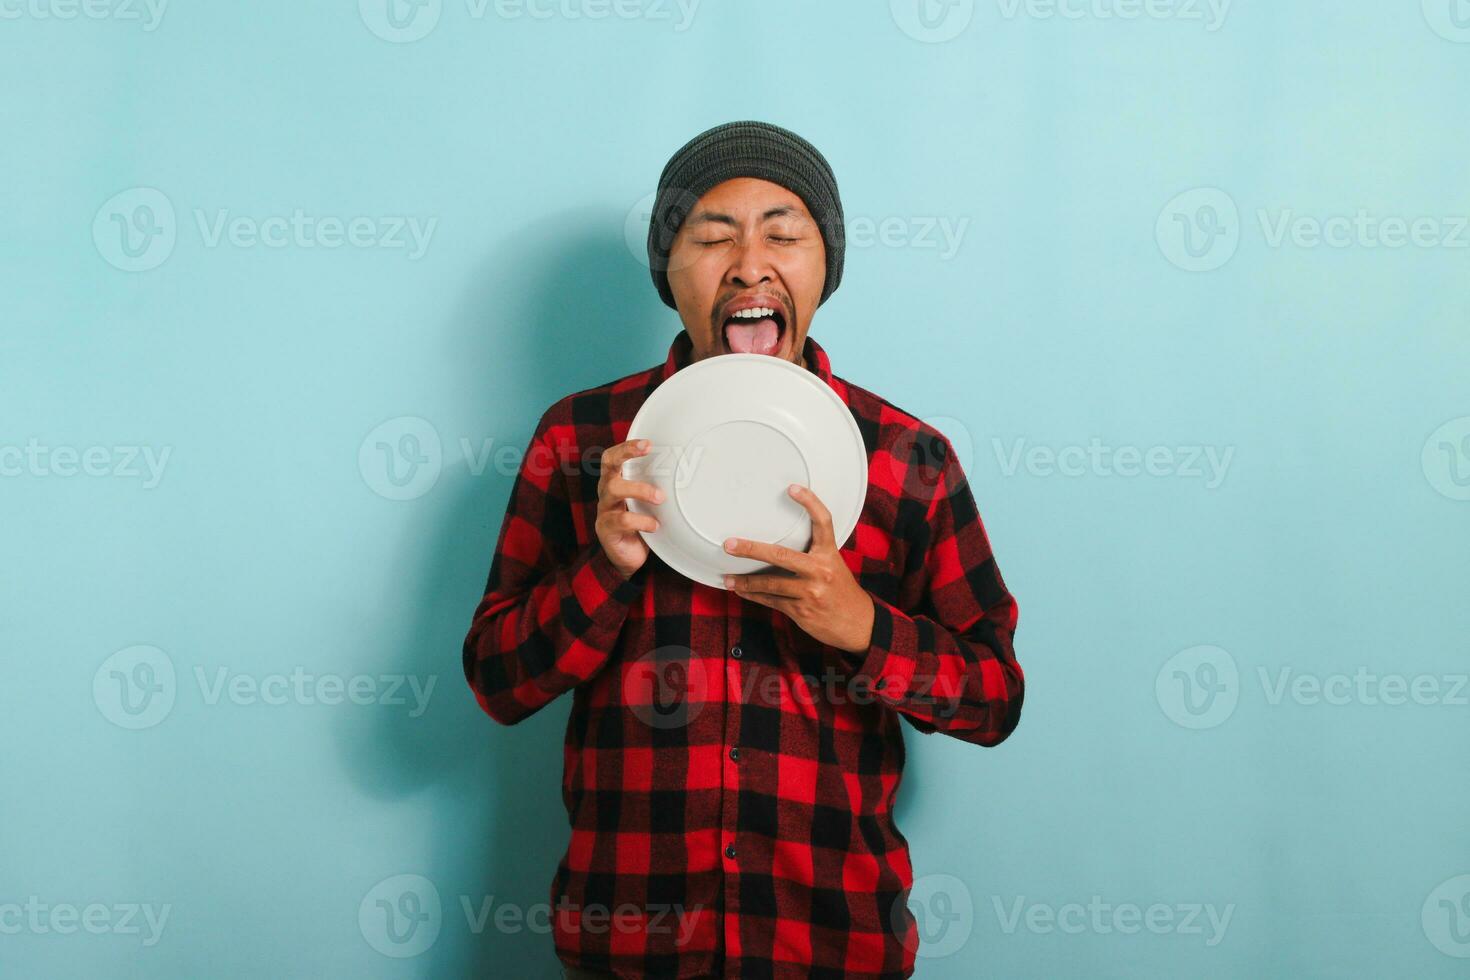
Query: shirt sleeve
[[947, 662], [552, 609]]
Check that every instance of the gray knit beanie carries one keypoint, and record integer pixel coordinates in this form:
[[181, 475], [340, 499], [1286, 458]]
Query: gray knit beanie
[[744, 149]]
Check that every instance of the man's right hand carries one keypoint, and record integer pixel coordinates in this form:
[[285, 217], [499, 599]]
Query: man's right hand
[[617, 526]]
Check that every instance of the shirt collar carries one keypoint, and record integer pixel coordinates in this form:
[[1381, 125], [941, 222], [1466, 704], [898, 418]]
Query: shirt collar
[[817, 362]]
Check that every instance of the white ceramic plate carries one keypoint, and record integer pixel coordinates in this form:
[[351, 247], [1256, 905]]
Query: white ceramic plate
[[728, 435]]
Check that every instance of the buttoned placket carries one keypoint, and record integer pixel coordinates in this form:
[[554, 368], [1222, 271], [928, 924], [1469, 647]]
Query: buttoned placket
[[730, 766], [734, 663]]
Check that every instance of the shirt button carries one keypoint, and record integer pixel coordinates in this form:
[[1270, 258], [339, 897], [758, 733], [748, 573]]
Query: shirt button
[[736, 652], [730, 851], [735, 753]]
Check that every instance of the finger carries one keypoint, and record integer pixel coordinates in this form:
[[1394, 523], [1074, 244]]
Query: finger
[[617, 489], [628, 522], [788, 586], [614, 457], [777, 602], [823, 535], [771, 554], [612, 460]]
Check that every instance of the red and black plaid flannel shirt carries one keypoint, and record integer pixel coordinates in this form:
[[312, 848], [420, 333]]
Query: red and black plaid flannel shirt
[[729, 780]]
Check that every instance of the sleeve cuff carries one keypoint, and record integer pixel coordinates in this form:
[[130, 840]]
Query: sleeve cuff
[[887, 665], [600, 588]]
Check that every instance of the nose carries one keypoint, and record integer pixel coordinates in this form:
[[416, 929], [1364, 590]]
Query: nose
[[750, 263]]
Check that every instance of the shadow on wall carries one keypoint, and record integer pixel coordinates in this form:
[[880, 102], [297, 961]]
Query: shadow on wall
[[491, 793]]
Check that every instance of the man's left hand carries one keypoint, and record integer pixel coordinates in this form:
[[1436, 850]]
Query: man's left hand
[[816, 589]]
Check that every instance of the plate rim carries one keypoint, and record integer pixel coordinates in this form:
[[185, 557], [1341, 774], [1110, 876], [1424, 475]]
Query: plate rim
[[809, 377]]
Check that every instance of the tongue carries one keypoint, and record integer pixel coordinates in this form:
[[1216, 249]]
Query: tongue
[[759, 337]]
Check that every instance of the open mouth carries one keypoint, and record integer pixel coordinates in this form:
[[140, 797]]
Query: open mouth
[[755, 330]]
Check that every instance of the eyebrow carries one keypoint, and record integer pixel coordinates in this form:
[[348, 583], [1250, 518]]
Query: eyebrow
[[780, 211]]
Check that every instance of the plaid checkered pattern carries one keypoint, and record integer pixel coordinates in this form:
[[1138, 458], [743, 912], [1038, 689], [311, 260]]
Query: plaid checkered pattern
[[729, 780]]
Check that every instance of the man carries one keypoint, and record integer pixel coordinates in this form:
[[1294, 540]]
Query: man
[[749, 833]]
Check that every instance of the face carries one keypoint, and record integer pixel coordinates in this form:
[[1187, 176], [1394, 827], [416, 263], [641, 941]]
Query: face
[[748, 245]]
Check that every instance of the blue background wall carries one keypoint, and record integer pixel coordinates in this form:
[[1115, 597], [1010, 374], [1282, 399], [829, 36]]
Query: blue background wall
[[1130, 203]]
